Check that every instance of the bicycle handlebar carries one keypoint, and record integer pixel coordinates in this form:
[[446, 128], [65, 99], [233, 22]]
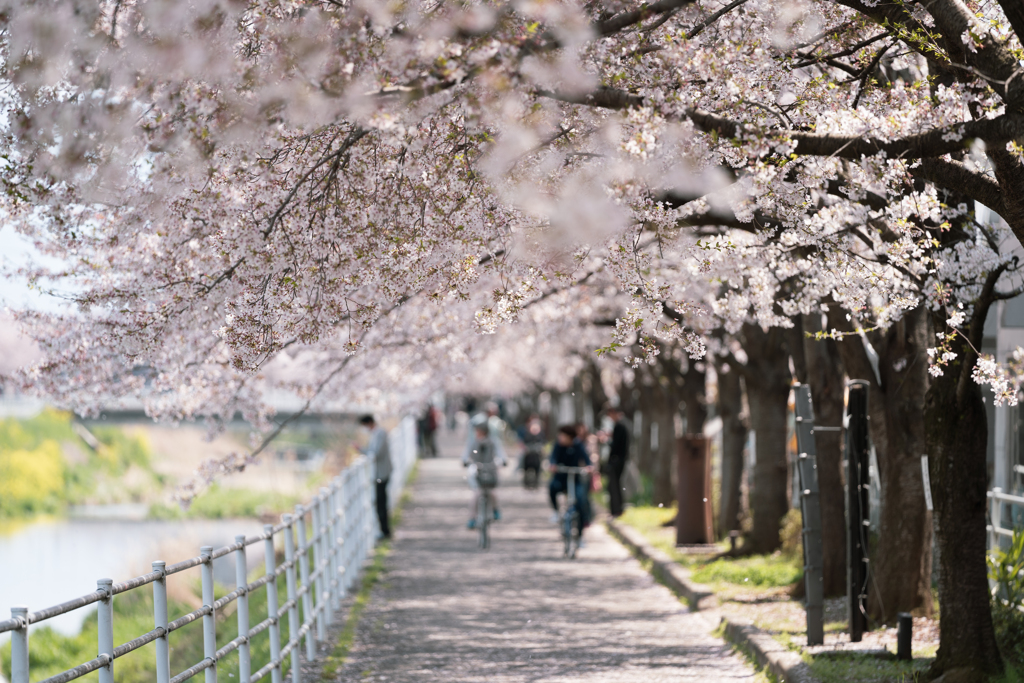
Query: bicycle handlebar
[[570, 470]]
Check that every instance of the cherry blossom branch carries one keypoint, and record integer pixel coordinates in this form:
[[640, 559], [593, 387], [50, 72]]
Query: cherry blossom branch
[[956, 177], [931, 143]]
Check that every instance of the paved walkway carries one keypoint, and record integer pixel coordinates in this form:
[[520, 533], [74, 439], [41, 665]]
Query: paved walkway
[[448, 612]]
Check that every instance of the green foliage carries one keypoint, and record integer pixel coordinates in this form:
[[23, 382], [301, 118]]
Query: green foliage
[[33, 471], [1006, 569], [36, 476], [31, 480], [761, 571], [1008, 622], [227, 503]]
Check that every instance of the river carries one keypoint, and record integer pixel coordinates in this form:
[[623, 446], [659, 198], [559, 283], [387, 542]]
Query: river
[[47, 561]]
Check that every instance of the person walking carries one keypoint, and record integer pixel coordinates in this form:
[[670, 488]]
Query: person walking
[[618, 453], [378, 451]]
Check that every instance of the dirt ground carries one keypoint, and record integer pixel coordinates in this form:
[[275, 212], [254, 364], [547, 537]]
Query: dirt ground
[[446, 611]]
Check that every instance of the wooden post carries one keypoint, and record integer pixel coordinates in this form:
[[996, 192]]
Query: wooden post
[[810, 508], [693, 492]]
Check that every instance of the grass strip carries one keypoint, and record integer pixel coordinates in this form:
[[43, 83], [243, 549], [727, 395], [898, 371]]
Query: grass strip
[[341, 649], [370, 578]]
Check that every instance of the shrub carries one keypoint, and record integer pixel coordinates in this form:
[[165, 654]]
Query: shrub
[[1006, 570]]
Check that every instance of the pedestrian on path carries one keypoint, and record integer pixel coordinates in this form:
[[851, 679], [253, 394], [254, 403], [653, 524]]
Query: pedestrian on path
[[618, 454], [378, 451]]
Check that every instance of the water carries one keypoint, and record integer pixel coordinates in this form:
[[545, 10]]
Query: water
[[46, 562]]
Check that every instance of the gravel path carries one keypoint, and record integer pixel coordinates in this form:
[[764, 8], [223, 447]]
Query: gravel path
[[446, 611]]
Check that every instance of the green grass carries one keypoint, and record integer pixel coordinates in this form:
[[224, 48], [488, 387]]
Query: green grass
[[341, 649], [370, 579], [760, 571], [224, 503], [848, 667]]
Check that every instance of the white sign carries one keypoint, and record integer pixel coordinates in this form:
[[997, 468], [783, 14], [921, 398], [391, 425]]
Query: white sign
[[927, 483]]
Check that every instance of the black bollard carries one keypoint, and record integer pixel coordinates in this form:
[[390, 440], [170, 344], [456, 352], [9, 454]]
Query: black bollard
[[904, 634]]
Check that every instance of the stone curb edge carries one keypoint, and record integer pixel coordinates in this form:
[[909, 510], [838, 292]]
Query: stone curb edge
[[787, 666]]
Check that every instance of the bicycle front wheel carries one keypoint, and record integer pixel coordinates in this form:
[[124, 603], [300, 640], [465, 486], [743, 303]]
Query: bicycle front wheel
[[483, 522]]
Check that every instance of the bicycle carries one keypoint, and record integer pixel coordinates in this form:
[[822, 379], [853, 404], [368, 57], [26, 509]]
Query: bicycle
[[484, 512], [571, 521]]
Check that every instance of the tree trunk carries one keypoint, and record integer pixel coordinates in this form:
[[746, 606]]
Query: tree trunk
[[734, 438], [664, 456], [957, 435], [595, 392], [825, 377], [695, 398], [768, 383], [901, 561], [646, 402]]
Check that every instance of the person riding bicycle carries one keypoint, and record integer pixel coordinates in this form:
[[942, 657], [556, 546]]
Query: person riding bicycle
[[569, 451], [531, 436], [483, 458]]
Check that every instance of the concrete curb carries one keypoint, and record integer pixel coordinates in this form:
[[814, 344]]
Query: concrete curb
[[786, 665]]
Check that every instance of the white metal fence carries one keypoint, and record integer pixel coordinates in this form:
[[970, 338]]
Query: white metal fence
[[318, 573], [997, 501]]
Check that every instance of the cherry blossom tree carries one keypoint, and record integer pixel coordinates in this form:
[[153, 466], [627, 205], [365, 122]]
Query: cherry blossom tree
[[235, 187]]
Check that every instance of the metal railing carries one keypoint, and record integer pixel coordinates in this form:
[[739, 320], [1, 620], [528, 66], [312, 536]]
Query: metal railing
[[343, 528], [997, 499]]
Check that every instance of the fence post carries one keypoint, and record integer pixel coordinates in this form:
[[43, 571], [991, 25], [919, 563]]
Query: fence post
[[19, 646], [307, 597], [346, 529], [209, 619], [241, 583], [336, 540], [274, 632], [321, 629], [293, 611], [325, 553], [997, 515], [810, 508], [163, 661], [105, 629]]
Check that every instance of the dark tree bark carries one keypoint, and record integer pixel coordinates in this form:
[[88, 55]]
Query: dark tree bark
[[768, 383], [595, 391], [957, 435], [664, 413], [734, 438], [902, 558], [646, 402], [825, 377], [694, 394]]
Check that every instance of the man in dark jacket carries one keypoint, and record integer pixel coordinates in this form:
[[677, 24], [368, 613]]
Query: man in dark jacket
[[569, 452], [618, 453]]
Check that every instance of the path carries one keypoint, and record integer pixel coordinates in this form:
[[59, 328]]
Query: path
[[447, 612]]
